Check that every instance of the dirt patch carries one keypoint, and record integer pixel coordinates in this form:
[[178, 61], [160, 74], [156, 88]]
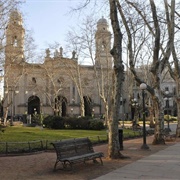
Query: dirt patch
[[40, 166]]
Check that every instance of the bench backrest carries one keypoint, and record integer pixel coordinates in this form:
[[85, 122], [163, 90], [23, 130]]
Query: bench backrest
[[72, 147]]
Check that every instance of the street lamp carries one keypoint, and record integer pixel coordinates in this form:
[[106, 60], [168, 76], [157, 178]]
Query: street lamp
[[167, 106], [135, 115], [73, 101], [143, 86], [72, 111], [35, 111], [92, 112]]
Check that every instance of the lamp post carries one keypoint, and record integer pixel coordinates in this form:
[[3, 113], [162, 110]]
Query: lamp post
[[72, 111], [93, 113], [135, 116], [167, 106], [143, 86], [73, 101]]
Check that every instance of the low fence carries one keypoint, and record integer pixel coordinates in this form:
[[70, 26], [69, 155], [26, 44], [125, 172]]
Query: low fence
[[19, 148], [9, 148]]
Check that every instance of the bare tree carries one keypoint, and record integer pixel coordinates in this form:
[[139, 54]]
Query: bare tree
[[111, 97], [158, 62], [174, 69], [105, 78], [84, 44]]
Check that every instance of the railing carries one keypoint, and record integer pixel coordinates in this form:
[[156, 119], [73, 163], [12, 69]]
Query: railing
[[19, 148], [8, 148], [16, 148]]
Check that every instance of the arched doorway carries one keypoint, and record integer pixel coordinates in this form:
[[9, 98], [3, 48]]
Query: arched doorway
[[33, 105], [87, 106], [60, 106]]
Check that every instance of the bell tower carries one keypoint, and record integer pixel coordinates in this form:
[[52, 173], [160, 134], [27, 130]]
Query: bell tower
[[103, 44], [14, 50]]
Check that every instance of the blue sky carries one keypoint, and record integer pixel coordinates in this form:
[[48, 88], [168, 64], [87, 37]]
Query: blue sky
[[51, 19]]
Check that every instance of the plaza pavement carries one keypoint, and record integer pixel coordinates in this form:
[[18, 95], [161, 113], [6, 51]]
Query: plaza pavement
[[162, 165], [160, 162]]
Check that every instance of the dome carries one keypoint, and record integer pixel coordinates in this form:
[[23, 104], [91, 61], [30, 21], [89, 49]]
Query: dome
[[15, 15], [102, 21]]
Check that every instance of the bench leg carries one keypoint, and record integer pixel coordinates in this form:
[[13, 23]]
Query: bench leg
[[67, 164], [95, 161], [55, 165], [101, 161]]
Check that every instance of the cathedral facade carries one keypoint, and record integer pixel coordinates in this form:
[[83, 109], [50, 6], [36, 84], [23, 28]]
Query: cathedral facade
[[59, 85]]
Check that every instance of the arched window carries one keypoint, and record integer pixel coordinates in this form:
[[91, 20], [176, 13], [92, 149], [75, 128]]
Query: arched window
[[15, 42], [34, 80], [167, 103], [103, 45], [33, 105]]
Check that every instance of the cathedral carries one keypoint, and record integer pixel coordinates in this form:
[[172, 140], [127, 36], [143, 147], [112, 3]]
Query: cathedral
[[59, 85]]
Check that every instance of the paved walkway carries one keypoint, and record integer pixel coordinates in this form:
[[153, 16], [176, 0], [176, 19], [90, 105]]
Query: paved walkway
[[163, 165]]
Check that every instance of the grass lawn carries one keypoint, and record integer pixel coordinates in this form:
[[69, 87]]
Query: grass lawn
[[24, 134]]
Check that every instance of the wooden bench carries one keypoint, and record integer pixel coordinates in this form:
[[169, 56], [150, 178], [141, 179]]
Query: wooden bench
[[72, 151]]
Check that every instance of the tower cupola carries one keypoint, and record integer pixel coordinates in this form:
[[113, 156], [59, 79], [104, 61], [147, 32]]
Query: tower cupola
[[15, 18], [102, 24]]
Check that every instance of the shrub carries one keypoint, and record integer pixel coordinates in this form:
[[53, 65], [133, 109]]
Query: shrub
[[70, 123], [76, 123], [2, 128], [48, 122], [58, 123], [96, 125], [37, 119], [83, 123], [54, 122]]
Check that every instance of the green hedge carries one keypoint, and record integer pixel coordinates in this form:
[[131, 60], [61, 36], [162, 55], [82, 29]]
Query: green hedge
[[54, 122], [57, 122]]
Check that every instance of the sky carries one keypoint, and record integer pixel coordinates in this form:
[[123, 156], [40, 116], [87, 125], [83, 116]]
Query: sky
[[49, 20]]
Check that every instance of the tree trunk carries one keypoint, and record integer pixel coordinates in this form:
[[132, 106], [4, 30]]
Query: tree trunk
[[82, 107], [106, 113], [178, 106], [116, 52], [113, 143], [159, 122], [178, 119], [5, 115]]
